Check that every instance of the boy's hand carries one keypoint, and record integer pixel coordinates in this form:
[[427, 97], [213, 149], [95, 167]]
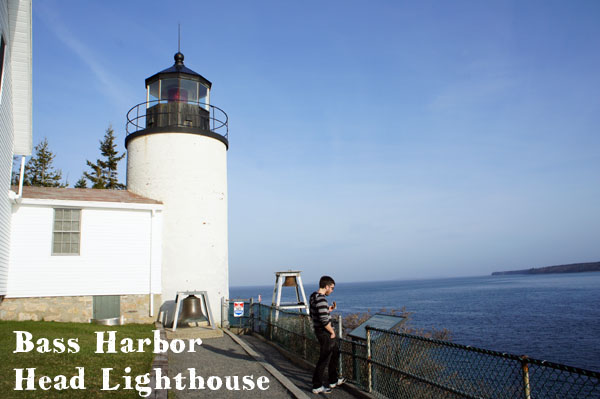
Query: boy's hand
[[332, 307]]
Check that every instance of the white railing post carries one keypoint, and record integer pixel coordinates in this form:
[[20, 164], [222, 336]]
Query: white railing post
[[369, 364], [340, 363], [525, 369]]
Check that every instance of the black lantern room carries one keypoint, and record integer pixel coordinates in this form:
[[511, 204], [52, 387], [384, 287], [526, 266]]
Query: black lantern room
[[177, 100], [179, 84]]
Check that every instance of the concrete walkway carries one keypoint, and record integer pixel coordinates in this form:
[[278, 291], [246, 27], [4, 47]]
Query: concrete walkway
[[222, 357], [299, 376], [228, 357]]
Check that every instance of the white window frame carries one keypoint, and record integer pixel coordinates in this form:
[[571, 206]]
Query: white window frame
[[69, 231]]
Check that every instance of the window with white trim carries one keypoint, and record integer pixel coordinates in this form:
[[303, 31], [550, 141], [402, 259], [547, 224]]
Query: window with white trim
[[66, 234]]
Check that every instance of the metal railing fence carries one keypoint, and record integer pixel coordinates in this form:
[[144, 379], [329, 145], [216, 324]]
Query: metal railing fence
[[217, 120], [408, 366], [391, 364]]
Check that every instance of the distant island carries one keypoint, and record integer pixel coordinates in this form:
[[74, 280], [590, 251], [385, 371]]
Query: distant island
[[572, 268]]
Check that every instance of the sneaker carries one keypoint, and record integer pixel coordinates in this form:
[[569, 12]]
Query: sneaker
[[321, 390], [339, 382]]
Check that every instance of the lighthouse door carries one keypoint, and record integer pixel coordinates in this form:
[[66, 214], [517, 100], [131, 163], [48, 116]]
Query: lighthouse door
[[106, 307]]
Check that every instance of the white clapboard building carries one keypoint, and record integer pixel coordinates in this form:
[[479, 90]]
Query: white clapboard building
[[81, 254]]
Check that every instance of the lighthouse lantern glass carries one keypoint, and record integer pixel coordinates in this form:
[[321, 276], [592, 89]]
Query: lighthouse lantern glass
[[153, 91], [169, 90], [203, 96], [190, 87]]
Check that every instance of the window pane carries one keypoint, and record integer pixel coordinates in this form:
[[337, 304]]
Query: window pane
[[153, 91], [202, 94], [58, 214], [170, 90], [56, 248], [76, 213], [190, 88], [57, 225], [74, 226]]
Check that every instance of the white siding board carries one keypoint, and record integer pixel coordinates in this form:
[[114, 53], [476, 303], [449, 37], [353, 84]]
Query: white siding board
[[6, 146], [115, 254], [21, 57]]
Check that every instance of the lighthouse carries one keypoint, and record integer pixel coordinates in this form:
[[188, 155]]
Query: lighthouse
[[177, 153]]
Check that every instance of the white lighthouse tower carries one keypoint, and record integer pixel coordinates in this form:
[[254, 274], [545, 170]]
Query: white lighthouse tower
[[177, 153]]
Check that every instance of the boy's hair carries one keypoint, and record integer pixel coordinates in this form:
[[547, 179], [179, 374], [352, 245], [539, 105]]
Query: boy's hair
[[325, 281]]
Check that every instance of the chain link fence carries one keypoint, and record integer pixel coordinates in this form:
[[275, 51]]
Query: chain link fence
[[390, 364]]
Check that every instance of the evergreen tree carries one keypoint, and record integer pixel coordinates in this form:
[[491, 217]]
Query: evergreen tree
[[81, 183], [39, 170], [96, 177], [16, 171], [104, 171]]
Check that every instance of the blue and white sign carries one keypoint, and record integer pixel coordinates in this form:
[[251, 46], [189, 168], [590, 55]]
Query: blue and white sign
[[238, 309]]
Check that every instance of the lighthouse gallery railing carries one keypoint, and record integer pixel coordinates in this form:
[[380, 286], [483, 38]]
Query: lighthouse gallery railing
[[218, 121]]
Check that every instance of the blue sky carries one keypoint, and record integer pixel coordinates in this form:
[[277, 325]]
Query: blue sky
[[369, 141]]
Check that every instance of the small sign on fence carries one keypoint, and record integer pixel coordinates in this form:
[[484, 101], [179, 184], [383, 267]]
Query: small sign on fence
[[238, 309], [379, 320]]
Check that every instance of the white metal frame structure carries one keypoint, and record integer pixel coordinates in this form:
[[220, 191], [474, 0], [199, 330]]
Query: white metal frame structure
[[276, 302]]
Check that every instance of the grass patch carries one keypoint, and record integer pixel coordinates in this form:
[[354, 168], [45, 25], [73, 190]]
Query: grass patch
[[52, 364]]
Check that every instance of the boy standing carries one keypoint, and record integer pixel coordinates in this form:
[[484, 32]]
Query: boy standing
[[328, 350]]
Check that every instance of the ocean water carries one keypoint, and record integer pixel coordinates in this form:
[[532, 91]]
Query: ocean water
[[554, 317]]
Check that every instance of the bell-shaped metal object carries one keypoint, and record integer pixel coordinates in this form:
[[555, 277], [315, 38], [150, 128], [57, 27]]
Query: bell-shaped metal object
[[191, 310], [290, 281]]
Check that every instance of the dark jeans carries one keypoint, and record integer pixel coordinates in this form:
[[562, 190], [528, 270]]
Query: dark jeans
[[329, 355]]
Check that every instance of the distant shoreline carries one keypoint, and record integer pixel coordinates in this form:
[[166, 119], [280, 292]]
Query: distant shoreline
[[572, 268]]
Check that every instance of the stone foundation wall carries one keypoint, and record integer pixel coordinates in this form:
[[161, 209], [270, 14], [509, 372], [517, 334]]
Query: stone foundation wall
[[77, 309], [136, 308], [66, 308]]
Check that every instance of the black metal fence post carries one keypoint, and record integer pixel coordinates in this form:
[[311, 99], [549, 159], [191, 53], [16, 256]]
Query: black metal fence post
[[355, 367], [259, 318], [304, 339], [251, 315], [270, 325]]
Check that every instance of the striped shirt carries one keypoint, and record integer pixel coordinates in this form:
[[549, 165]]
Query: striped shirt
[[319, 310]]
